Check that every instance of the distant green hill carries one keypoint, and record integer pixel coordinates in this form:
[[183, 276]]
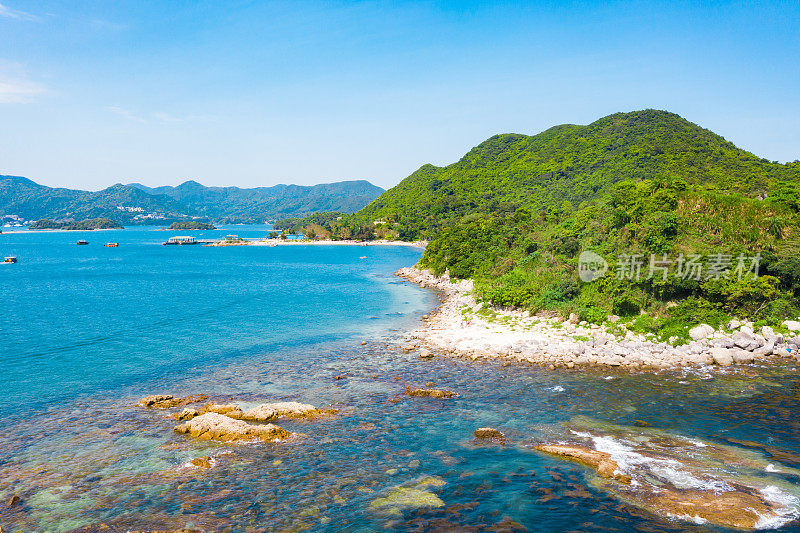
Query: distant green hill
[[278, 201], [137, 204], [91, 224], [573, 164]]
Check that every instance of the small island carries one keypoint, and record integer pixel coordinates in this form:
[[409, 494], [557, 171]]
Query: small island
[[191, 225], [83, 225]]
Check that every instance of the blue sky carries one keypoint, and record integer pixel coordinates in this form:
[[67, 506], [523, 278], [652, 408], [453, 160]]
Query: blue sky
[[258, 93]]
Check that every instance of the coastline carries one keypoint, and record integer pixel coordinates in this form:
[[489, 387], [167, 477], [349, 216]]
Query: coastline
[[461, 326], [288, 242]]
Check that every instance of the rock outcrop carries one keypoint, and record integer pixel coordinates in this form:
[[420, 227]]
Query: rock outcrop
[[491, 435], [219, 427], [167, 401], [600, 461]]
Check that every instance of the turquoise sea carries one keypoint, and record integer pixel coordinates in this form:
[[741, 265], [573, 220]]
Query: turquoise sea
[[86, 331]]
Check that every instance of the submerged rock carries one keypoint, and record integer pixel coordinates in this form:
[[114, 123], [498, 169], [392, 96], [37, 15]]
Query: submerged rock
[[431, 393], [683, 477], [215, 426], [409, 496], [743, 507], [600, 461], [202, 462]]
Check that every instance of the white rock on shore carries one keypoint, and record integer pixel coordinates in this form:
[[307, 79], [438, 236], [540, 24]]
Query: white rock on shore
[[463, 326]]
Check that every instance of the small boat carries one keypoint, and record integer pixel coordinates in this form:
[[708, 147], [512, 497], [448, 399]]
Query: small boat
[[180, 240], [111, 244], [10, 259], [82, 242]]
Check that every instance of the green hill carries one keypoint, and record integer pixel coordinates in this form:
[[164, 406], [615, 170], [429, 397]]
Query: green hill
[[516, 212], [573, 163], [278, 201], [137, 204]]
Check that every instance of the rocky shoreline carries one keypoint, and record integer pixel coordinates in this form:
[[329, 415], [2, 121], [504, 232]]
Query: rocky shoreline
[[462, 326]]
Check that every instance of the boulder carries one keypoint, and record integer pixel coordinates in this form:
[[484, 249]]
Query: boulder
[[724, 342], [490, 434], [600, 461], [742, 357], [722, 356], [792, 325], [425, 353], [702, 331], [768, 333], [781, 352], [744, 340], [766, 349], [699, 358], [214, 426]]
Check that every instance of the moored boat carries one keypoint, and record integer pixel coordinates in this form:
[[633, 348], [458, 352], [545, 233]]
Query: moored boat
[[180, 240]]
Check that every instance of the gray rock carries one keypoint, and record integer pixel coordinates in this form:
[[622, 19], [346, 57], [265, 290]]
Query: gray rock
[[742, 339], [768, 333], [722, 356], [699, 359], [766, 349], [425, 353], [792, 325], [781, 352], [795, 341], [724, 342], [742, 357], [702, 331]]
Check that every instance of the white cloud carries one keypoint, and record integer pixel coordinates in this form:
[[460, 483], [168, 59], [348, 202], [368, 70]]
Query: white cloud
[[7, 12], [166, 117], [19, 91], [127, 113]]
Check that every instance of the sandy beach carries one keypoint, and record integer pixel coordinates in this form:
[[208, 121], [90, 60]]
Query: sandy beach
[[464, 327]]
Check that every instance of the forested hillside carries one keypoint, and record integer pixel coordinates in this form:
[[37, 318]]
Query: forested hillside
[[136, 203], [278, 201], [572, 164], [516, 212]]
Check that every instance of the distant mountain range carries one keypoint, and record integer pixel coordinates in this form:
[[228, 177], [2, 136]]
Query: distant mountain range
[[135, 203]]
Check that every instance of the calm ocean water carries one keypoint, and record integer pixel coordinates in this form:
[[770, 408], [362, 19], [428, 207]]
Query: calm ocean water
[[87, 330]]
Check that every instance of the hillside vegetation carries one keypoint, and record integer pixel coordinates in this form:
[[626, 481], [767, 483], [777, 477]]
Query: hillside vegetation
[[89, 224], [516, 212], [137, 204]]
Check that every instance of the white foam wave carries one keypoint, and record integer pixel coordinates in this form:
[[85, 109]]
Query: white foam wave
[[557, 388], [788, 511], [668, 470]]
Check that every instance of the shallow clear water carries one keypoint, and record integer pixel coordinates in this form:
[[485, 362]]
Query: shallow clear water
[[88, 330]]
